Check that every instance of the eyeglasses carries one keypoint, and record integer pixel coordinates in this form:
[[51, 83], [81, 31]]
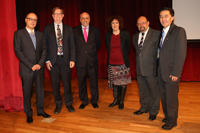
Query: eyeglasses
[[58, 14], [31, 19], [143, 23]]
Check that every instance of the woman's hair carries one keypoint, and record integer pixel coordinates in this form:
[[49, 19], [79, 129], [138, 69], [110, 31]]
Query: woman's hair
[[120, 20]]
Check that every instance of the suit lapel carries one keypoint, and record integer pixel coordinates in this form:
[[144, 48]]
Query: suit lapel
[[37, 40], [81, 33], [29, 38], [136, 41], [167, 36], [54, 33], [90, 32], [146, 38]]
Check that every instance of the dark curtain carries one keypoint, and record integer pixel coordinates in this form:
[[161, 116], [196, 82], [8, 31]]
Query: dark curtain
[[11, 98], [99, 11]]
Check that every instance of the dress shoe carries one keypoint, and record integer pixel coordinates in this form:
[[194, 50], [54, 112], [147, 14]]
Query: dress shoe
[[29, 119], [45, 115], [82, 106], [167, 127], [57, 110], [95, 105], [152, 117], [70, 108], [164, 120], [139, 112]]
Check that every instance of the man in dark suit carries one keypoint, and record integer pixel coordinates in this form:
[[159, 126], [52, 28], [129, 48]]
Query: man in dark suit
[[30, 49], [87, 39], [173, 47], [60, 58], [146, 45]]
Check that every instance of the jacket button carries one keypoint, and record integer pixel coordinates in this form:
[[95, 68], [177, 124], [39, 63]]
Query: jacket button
[[86, 52]]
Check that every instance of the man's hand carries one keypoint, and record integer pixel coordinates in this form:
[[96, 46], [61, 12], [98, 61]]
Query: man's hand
[[48, 64], [174, 78], [36, 67], [71, 64]]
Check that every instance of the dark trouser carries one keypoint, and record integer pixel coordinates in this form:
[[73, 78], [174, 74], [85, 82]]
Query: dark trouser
[[149, 94], [27, 85], [63, 71], [169, 98], [82, 83]]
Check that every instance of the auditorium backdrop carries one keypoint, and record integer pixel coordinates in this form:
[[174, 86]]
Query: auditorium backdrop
[[13, 13]]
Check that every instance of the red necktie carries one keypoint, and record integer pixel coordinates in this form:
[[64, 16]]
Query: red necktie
[[85, 34]]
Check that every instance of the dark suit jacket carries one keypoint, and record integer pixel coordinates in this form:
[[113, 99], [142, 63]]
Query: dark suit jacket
[[125, 45], [26, 53], [173, 53], [146, 59], [69, 51], [87, 52]]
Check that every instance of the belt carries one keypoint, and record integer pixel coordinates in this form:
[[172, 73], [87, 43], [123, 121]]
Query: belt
[[59, 56]]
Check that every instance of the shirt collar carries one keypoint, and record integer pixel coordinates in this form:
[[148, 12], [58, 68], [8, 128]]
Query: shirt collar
[[84, 26], [29, 31], [166, 29], [60, 25]]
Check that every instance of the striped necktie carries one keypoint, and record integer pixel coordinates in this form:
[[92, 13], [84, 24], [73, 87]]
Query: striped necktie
[[141, 42]]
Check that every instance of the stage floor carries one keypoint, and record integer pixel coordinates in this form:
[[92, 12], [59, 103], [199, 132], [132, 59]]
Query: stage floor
[[104, 119]]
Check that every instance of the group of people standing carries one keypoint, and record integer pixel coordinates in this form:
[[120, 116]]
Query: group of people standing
[[159, 62]]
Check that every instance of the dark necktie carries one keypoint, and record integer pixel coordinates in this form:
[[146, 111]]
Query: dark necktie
[[141, 42], [59, 40]]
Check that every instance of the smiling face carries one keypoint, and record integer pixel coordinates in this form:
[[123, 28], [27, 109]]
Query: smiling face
[[115, 25], [165, 18], [85, 19], [31, 21], [142, 24], [58, 16]]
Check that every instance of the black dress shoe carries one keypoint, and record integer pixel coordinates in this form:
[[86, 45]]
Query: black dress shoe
[[152, 117], [164, 120], [139, 112], [29, 119], [95, 105], [57, 109], [45, 115], [82, 106], [167, 127], [70, 108]]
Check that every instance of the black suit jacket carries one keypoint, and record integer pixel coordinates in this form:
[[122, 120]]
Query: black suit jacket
[[173, 53], [146, 58], [125, 45], [87, 52], [26, 53], [69, 51]]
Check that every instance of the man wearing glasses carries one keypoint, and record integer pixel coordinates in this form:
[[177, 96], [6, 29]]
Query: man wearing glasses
[[30, 49], [60, 58], [145, 43]]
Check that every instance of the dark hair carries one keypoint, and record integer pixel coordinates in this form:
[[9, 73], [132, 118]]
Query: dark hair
[[120, 20], [55, 8], [171, 11]]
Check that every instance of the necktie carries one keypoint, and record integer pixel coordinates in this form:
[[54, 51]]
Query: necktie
[[85, 34], [32, 32], [141, 41], [59, 40], [161, 43]]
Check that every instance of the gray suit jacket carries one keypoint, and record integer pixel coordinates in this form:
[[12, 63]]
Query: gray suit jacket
[[173, 53], [146, 59], [26, 52]]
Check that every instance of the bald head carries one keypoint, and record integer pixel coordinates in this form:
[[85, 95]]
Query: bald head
[[142, 24], [31, 21], [85, 19]]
